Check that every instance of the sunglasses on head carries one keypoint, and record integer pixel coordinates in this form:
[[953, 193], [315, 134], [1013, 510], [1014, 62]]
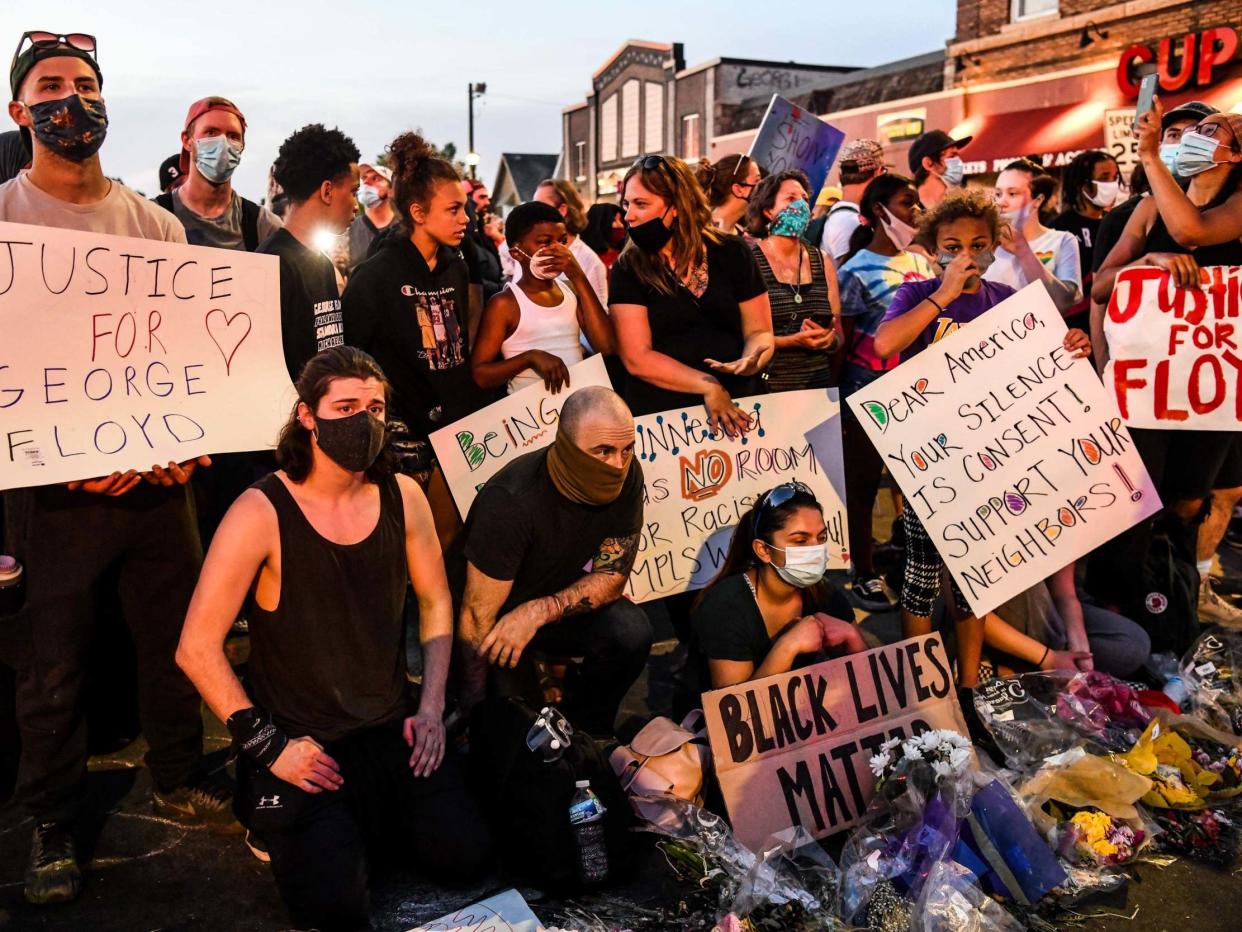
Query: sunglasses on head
[[779, 495], [49, 40]]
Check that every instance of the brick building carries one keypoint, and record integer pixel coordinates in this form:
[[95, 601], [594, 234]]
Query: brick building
[[644, 99]]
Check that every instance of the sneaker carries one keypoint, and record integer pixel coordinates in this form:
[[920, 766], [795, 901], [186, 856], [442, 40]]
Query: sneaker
[[206, 800], [1215, 610], [869, 590], [53, 874], [257, 848]]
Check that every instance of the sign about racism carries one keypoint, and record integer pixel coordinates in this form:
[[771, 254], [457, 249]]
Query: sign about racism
[[122, 353], [1008, 449], [1174, 356], [794, 748], [475, 448], [699, 484], [504, 912], [790, 137]]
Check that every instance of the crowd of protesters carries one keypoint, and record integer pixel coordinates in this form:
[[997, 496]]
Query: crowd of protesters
[[706, 284]]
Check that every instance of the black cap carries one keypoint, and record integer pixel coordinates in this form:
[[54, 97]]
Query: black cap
[[931, 144], [1193, 110], [32, 55], [170, 171]]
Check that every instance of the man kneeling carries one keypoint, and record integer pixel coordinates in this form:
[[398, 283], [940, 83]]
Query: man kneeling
[[332, 765], [545, 555]]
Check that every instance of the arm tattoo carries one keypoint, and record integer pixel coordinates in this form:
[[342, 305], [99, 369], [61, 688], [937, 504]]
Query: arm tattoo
[[616, 555]]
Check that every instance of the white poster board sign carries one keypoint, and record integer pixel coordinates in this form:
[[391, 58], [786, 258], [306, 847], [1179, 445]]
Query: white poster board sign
[[698, 485], [121, 353], [504, 912], [1011, 452], [474, 449], [1175, 354]]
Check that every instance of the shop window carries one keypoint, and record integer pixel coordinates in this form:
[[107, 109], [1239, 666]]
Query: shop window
[[1030, 9], [629, 119], [608, 130], [653, 118], [580, 165], [690, 150]]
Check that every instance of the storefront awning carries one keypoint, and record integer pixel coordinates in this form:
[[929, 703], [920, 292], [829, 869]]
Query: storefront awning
[[1056, 134]]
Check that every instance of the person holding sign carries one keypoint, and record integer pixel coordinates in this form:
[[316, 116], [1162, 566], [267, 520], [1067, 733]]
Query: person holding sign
[[801, 283], [964, 227], [770, 608], [132, 530], [690, 307], [520, 562], [335, 762], [531, 331]]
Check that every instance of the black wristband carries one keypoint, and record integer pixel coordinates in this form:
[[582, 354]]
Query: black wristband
[[257, 736]]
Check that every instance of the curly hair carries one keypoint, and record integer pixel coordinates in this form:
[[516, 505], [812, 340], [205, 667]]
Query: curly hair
[[764, 199], [417, 169], [293, 448], [956, 204], [311, 156], [718, 180], [1076, 180]]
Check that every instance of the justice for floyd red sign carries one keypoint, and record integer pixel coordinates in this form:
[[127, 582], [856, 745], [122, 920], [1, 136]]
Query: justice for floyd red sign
[[1174, 358], [794, 748]]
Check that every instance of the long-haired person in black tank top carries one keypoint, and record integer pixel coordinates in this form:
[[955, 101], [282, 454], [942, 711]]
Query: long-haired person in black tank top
[[335, 763], [1182, 227]]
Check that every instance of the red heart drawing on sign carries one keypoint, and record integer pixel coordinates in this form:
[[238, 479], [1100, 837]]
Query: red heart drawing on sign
[[228, 334]]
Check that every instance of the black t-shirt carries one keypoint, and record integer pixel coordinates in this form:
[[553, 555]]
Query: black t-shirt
[[412, 319], [1111, 228], [310, 303], [14, 156], [1086, 231], [691, 329], [728, 625], [521, 528]]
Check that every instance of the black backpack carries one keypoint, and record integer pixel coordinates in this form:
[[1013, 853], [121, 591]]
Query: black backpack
[[249, 219], [1166, 602], [527, 799]]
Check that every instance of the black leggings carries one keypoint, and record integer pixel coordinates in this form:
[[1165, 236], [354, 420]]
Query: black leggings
[[320, 843]]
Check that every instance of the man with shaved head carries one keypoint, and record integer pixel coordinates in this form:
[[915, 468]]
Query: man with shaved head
[[544, 558]]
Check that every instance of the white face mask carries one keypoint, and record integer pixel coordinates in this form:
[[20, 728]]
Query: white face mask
[[900, 233], [537, 264], [368, 196], [1106, 194], [804, 566]]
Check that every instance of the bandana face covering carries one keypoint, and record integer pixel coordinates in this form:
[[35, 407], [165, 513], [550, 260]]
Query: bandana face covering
[[73, 126], [582, 478], [792, 221], [352, 442]]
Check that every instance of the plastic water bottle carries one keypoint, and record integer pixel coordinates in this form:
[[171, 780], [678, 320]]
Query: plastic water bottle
[[586, 818], [1175, 688]]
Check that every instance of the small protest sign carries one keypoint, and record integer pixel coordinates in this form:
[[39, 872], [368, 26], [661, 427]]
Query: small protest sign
[[699, 484], [1008, 449], [123, 353], [1174, 358], [474, 449], [790, 137], [793, 748], [504, 912]]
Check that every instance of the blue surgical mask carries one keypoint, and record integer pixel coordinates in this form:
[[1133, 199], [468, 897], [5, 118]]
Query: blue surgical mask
[[368, 197], [954, 172], [792, 220], [1168, 152], [1194, 154], [216, 158]]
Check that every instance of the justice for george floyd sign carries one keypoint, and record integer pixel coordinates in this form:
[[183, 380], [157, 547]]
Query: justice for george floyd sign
[[699, 484], [1174, 358], [794, 748], [121, 353], [1009, 450], [792, 138], [474, 449]]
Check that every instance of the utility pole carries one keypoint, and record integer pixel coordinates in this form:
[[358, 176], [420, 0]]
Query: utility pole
[[472, 158]]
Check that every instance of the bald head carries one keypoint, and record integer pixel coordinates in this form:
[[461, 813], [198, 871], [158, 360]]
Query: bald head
[[598, 422]]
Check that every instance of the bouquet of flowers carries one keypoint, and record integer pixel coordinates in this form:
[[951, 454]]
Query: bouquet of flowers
[[928, 762], [1207, 835], [1103, 708], [1188, 769], [1093, 837]]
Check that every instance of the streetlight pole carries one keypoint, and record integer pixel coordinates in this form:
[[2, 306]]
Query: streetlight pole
[[472, 91]]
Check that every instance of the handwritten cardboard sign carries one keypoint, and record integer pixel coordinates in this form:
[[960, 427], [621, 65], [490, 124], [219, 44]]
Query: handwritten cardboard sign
[[477, 447], [793, 749], [790, 137], [121, 353], [1176, 353], [1010, 451], [698, 485], [504, 912]]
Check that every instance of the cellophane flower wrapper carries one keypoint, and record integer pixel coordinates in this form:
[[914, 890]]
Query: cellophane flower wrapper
[[1208, 835], [952, 901], [1191, 764], [1019, 713], [794, 871], [1212, 673], [1103, 709]]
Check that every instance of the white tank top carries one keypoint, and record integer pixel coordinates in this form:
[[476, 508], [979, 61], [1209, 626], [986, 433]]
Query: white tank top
[[551, 329]]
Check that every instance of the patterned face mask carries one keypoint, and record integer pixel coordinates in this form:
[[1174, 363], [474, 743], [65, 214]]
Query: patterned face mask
[[792, 220], [73, 127]]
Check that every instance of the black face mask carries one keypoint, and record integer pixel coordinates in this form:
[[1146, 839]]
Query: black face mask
[[353, 442], [650, 235], [73, 126]]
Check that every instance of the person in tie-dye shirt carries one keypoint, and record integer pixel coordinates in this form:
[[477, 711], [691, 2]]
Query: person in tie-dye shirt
[[879, 262]]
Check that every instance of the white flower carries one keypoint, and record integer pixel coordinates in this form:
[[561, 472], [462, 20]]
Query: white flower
[[942, 769], [959, 758], [930, 740], [878, 763], [911, 749], [890, 744], [957, 740]]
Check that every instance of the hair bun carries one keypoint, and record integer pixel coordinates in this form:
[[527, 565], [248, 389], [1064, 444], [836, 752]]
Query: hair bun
[[408, 149]]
